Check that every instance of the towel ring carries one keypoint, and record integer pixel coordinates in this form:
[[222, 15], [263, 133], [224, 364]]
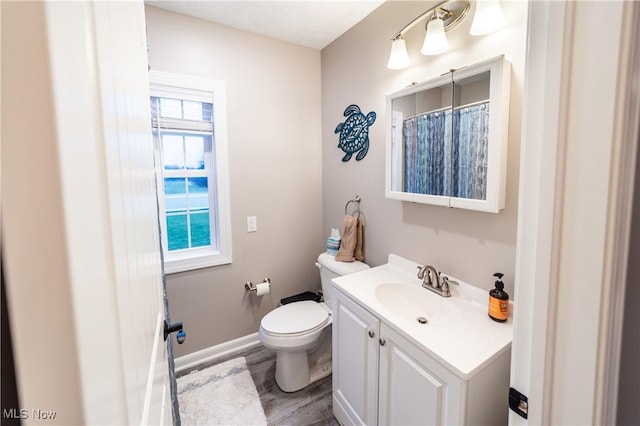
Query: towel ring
[[356, 201]]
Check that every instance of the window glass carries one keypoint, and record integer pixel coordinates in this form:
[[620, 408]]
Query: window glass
[[200, 232], [174, 186], [194, 152], [207, 112], [175, 198], [199, 185], [170, 108], [173, 150], [198, 194], [192, 110], [177, 231]]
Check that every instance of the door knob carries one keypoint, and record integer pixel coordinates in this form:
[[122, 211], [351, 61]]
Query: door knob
[[371, 333], [181, 336], [382, 342], [172, 328]]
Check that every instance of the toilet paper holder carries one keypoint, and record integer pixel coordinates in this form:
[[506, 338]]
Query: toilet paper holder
[[249, 286]]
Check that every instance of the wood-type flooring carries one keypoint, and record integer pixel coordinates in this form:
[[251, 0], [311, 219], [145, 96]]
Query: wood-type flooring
[[309, 406]]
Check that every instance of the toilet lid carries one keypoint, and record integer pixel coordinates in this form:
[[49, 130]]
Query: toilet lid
[[295, 317]]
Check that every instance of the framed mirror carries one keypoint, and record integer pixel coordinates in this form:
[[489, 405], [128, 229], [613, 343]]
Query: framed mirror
[[447, 139]]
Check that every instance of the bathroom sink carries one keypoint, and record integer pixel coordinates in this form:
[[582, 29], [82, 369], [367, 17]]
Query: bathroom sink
[[408, 300]]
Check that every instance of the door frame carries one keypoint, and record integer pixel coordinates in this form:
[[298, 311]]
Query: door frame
[[566, 284]]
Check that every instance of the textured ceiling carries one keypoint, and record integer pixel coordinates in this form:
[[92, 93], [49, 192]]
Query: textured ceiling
[[311, 23]]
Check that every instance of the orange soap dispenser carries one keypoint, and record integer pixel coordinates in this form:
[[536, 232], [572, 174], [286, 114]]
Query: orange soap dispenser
[[498, 300]]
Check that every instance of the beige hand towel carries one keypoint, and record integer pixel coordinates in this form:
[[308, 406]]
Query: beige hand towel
[[358, 254], [351, 244]]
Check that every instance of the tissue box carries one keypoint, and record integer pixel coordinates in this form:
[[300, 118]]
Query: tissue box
[[333, 245]]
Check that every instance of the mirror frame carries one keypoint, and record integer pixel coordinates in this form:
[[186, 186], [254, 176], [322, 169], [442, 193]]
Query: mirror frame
[[499, 85]]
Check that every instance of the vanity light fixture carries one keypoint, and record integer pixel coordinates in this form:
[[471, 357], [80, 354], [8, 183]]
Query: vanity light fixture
[[441, 18]]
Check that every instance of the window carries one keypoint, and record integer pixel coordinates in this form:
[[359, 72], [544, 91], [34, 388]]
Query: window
[[188, 121]]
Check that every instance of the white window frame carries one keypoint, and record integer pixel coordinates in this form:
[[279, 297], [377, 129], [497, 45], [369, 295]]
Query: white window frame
[[164, 84]]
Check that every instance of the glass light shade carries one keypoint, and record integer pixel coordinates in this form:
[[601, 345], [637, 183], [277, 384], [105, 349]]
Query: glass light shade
[[399, 58], [488, 17], [435, 41]]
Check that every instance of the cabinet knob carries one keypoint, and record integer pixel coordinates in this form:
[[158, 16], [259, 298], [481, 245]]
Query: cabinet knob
[[371, 333], [382, 342]]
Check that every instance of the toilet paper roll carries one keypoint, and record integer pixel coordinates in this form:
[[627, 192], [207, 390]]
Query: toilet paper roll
[[262, 289]]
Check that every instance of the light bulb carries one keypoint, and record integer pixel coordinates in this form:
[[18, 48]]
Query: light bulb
[[487, 18], [435, 41], [399, 58]]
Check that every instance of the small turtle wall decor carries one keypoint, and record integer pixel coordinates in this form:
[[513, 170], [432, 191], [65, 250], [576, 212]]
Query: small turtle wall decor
[[354, 132]]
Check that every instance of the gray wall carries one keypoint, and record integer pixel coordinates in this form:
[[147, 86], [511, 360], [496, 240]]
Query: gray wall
[[469, 245], [273, 110]]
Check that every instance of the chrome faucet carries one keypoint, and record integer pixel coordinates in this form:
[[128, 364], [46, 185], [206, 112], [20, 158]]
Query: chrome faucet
[[431, 280], [430, 276]]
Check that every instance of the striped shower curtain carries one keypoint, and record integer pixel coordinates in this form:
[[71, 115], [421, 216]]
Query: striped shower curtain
[[436, 163]]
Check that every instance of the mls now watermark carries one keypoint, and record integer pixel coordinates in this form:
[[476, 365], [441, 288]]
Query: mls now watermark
[[24, 414]]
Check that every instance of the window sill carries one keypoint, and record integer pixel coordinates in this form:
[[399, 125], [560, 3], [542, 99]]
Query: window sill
[[188, 260]]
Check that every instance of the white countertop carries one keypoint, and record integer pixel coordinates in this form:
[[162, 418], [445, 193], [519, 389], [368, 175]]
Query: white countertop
[[459, 333]]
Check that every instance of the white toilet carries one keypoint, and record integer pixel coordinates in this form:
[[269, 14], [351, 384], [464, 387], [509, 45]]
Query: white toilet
[[300, 332]]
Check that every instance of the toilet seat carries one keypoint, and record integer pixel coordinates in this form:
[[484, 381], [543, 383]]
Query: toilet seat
[[295, 319]]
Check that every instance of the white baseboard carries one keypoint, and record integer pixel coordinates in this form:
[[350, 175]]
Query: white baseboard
[[211, 353]]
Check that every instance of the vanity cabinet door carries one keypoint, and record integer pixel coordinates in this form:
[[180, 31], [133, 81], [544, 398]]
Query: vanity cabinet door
[[355, 362], [414, 389]]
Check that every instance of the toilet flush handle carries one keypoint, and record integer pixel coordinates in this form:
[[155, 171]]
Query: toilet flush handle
[[319, 266]]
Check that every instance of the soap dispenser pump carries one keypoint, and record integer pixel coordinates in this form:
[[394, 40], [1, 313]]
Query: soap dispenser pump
[[498, 300]]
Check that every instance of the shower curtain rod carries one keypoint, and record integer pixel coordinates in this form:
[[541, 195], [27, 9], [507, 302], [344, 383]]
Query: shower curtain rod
[[448, 108]]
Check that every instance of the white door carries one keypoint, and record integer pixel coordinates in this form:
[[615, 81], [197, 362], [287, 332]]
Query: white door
[[80, 188], [355, 362], [100, 81]]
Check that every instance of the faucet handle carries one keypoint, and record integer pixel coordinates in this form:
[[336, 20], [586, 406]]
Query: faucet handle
[[446, 292], [446, 280], [444, 289]]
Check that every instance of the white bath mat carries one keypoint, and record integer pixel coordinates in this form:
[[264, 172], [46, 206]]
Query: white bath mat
[[220, 395]]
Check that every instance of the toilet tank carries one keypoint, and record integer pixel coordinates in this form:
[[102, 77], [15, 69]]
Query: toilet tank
[[331, 268]]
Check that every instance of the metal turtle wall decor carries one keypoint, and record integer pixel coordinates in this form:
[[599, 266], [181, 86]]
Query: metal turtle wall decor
[[354, 132]]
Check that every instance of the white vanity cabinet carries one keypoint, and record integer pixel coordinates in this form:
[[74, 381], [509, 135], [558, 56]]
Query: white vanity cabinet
[[381, 377]]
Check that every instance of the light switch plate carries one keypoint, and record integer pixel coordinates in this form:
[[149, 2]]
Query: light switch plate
[[252, 224]]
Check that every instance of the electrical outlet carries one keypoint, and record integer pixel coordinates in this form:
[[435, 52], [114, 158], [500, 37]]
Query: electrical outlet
[[252, 224]]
